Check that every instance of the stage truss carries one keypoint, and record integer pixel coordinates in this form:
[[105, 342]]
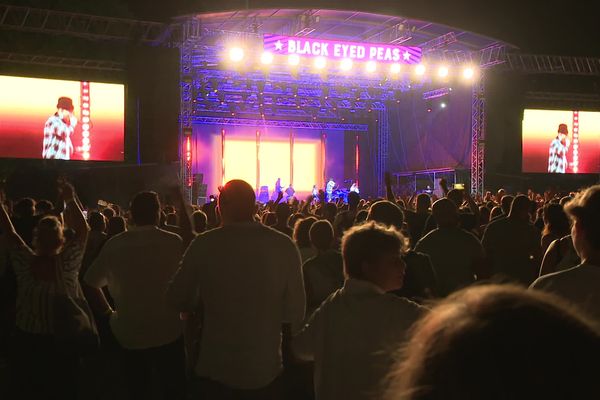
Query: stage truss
[[213, 92], [186, 32]]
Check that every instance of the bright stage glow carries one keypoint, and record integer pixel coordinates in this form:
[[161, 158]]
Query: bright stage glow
[[395, 68], [371, 66], [420, 69], [320, 62], [346, 64], [266, 58], [236, 54], [443, 71], [468, 73], [306, 162], [274, 157], [293, 59], [240, 160], [443, 105]]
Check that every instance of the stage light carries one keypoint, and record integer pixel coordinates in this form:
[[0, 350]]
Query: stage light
[[443, 105], [468, 73], [371, 66], [346, 64], [443, 71], [420, 69], [293, 59], [320, 62], [266, 58], [236, 54], [395, 68]]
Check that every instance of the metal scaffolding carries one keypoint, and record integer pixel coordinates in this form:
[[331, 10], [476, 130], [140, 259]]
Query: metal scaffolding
[[383, 142], [30, 19], [543, 64], [478, 137], [190, 33], [281, 124], [62, 62]]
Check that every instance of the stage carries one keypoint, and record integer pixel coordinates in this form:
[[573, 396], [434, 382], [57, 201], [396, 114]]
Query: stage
[[300, 96]]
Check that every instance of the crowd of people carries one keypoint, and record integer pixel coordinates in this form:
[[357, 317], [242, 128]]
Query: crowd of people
[[399, 297]]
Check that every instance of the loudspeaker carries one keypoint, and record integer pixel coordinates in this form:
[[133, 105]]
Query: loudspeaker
[[198, 190]]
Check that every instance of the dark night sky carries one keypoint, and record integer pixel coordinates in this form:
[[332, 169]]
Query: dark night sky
[[541, 27]]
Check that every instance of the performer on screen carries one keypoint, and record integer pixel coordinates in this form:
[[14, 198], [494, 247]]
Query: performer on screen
[[58, 130], [329, 189], [557, 159]]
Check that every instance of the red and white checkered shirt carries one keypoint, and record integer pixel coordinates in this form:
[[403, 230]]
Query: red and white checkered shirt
[[557, 157], [57, 138]]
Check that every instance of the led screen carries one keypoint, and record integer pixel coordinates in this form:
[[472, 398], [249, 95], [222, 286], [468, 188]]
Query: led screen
[[561, 142], [58, 119]]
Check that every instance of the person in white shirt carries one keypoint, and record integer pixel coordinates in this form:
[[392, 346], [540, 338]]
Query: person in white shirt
[[351, 335], [136, 266], [581, 284], [245, 281]]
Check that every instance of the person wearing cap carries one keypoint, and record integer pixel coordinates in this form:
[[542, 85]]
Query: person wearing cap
[[557, 159], [58, 130]]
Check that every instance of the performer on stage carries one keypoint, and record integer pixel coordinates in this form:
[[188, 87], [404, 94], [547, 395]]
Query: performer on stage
[[277, 190], [315, 192], [290, 191], [329, 189], [58, 130], [354, 187], [557, 159]]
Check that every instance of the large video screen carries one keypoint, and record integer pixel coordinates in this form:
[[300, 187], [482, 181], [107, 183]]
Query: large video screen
[[64, 120], [561, 142]]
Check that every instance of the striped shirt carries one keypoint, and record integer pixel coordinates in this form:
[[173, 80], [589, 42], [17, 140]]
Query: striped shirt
[[57, 138], [36, 285]]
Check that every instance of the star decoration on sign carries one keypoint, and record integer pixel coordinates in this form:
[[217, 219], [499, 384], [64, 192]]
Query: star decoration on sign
[[406, 56], [278, 45]]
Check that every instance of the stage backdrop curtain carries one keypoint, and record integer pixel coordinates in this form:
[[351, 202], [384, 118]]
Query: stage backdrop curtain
[[423, 140]]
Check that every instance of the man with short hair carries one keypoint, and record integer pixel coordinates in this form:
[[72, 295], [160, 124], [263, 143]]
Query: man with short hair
[[456, 255], [512, 244], [244, 280], [136, 267], [323, 273], [350, 336]]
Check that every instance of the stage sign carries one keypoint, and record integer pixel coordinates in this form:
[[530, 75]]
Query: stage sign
[[337, 49]]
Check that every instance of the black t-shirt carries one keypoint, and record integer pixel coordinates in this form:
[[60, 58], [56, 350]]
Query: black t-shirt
[[468, 222], [416, 224], [419, 279]]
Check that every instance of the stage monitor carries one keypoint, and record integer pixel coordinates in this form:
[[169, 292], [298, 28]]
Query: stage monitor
[[64, 120], [561, 142]]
